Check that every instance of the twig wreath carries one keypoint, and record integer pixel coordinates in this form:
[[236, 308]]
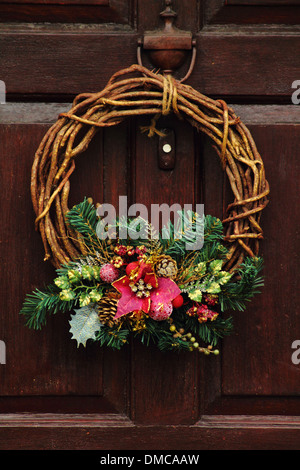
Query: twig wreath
[[156, 289]]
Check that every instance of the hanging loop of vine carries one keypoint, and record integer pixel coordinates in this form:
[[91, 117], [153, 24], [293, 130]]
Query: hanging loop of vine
[[136, 91]]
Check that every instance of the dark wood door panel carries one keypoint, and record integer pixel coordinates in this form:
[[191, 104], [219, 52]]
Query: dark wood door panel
[[42, 369], [222, 72], [42, 362], [251, 12], [256, 361], [86, 432], [39, 363], [248, 396], [271, 324], [63, 63], [67, 64], [255, 374], [155, 398], [57, 2], [263, 2], [67, 11]]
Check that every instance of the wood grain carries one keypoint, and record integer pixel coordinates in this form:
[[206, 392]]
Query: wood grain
[[271, 323], [55, 396], [102, 433], [70, 63], [251, 12], [155, 398], [59, 2], [67, 11], [262, 2]]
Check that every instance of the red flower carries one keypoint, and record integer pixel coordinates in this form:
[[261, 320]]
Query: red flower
[[141, 287]]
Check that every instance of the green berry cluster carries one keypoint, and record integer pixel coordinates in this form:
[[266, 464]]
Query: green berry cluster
[[80, 283], [194, 345]]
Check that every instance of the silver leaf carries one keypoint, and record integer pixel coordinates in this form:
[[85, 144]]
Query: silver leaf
[[84, 324]]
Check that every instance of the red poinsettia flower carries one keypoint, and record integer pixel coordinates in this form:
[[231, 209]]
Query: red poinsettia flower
[[161, 290]]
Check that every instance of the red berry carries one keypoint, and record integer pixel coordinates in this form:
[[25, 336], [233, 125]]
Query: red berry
[[120, 250], [131, 266], [109, 273], [159, 311], [178, 301], [130, 251]]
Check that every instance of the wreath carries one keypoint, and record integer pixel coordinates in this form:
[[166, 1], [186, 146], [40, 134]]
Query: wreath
[[154, 287]]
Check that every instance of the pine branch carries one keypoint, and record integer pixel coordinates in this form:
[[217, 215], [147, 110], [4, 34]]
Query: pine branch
[[153, 332], [209, 332], [83, 219], [113, 337], [236, 294], [168, 343], [212, 331], [183, 237], [39, 304], [213, 229]]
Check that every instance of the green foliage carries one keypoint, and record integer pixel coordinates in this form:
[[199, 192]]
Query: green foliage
[[210, 278], [76, 285], [168, 343], [81, 282], [177, 239], [213, 229], [247, 284], [112, 337], [39, 304], [207, 288], [152, 333], [83, 219], [209, 332]]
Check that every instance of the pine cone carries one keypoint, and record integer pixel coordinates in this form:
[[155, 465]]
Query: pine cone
[[166, 267], [107, 308]]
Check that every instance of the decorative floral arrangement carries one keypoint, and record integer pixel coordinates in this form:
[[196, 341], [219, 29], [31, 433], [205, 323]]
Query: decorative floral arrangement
[[154, 288]]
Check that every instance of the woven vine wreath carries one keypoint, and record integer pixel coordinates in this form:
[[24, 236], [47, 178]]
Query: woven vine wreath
[[155, 289]]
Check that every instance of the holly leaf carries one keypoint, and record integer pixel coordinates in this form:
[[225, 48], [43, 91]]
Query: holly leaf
[[84, 324], [213, 288], [223, 277], [195, 295], [215, 266], [201, 268]]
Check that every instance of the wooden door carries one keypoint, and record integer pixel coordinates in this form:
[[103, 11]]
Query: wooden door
[[55, 396]]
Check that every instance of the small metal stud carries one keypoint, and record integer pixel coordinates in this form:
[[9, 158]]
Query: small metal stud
[[167, 148]]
